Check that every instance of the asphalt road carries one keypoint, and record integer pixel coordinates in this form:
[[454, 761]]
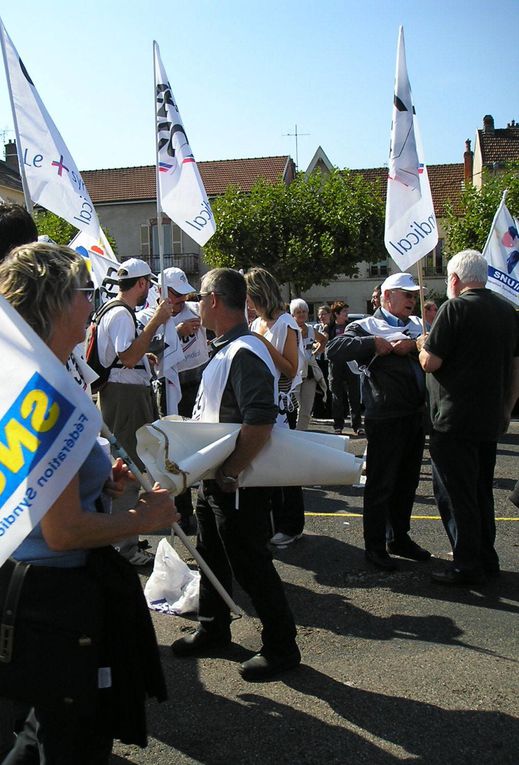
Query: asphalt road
[[395, 668]]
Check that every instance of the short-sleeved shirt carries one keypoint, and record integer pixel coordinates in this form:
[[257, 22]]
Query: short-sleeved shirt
[[248, 395], [477, 337], [115, 334]]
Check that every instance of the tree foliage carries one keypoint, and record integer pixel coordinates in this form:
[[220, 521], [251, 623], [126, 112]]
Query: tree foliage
[[59, 229], [304, 233], [467, 225]]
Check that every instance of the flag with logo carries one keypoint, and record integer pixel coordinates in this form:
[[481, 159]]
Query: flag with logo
[[410, 228], [101, 261], [502, 253], [48, 426], [180, 189], [52, 178]]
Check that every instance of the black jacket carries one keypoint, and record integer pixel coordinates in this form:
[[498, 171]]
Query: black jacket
[[393, 386]]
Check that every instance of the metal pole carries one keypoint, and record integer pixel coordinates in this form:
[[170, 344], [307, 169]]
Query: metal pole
[[147, 486]]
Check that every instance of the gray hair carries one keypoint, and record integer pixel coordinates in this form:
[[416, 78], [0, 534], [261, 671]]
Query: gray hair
[[229, 284], [469, 266], [298, 304]]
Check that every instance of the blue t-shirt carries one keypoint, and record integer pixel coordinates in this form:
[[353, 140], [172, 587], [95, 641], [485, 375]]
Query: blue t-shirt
[[93, 473]]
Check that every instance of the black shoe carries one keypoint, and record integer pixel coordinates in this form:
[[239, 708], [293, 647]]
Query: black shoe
[[406, 548], [381, 560], [200, 642], [261, 667], [454, 577]]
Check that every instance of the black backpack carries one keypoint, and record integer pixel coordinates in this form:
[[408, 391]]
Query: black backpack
[[91, 349]]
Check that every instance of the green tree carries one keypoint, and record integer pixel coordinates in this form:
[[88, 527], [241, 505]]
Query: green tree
[[305, 233], [468, 223], [59, 229]]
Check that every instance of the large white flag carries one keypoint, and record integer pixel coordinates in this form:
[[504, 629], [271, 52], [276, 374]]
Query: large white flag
[[101, 260], [410, 230], [502, 253], [48, 425], [53, 179], [181, 192]]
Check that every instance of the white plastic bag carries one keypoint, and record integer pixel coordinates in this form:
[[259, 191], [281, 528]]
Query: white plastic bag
[[172, 587]]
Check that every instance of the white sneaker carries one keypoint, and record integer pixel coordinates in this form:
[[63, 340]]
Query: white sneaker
[[141, 558], [283, 539]]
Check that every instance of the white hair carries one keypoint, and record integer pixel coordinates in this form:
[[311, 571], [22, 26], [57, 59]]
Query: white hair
[[469, 266], [298, 304]]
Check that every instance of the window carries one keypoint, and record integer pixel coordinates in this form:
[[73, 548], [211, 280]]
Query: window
[[434, 262], [379, 269]]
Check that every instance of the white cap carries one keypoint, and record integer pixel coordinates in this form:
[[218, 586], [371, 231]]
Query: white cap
[[177, 280], [400, 282], [133, 268]]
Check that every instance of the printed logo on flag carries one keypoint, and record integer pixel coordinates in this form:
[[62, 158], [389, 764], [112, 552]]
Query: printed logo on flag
[[27, 431], [510, 240]]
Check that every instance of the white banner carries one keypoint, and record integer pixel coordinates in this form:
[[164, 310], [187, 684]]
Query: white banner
[[101, 260], [48, 426], [502, 253], [410, 229], [178, 453], [180, 188], [53, 179]]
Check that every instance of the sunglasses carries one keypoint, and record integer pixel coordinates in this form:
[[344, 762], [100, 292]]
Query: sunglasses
[[89, 291]]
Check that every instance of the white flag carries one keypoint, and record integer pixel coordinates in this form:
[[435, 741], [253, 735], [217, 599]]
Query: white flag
[[48, 425], [101, 261], [410, 230], [502, 254], [53, 179], [180, 189]]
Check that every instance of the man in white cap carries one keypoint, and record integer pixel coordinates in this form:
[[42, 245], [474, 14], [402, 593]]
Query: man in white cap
[[393, 392], [126, 401]]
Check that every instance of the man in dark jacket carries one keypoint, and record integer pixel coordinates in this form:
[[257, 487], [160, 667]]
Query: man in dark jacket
[[393, 391]]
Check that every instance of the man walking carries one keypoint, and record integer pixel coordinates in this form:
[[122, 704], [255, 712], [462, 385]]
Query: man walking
[[472, 357], [233, 531], [393, 391]]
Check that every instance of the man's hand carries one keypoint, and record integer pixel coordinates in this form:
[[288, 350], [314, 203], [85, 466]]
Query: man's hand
[[420, 341], [188, 327], [226, 482], [403, 347], [163, 312], [383, 347]]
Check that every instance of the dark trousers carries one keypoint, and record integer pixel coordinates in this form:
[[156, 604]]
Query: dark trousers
[[393, 461], [60, 738], [345, 389], [463, 474], [234, 541], [288, 505]]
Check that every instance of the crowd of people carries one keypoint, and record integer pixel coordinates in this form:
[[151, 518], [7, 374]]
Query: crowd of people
[[262, 367]]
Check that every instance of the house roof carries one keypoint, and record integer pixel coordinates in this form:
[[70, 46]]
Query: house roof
[[500, 144], [9, 178], [123, 184], [446, 183]]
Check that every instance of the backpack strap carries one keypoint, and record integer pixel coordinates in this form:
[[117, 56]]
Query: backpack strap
[[116, 364]]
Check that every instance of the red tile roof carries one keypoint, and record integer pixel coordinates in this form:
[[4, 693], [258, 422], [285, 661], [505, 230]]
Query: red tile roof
[[500, 145], [446, 183], [123, 184]]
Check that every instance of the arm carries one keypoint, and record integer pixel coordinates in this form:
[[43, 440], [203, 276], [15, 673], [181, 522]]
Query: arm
[[286, 362], [131, 356], [429, 361], [354, 345], [66, 526], [251, 440], [321, 341]]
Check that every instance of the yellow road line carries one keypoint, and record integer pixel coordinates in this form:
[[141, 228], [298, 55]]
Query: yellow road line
[[413, 517]]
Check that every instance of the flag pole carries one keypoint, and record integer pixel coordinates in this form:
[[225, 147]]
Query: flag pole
[[419, 267], [147, 486], [27, 196], [160, 227]]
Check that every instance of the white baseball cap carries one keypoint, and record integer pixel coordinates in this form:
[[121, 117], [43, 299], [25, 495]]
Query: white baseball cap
[[133, 268], [400, 282], [177, 280]]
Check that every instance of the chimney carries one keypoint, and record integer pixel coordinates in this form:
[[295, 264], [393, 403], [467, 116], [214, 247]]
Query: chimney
[[11, 157], [488, 124], [468, 162], [512, 124]]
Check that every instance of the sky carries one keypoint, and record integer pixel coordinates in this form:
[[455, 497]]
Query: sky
[[244, 73]]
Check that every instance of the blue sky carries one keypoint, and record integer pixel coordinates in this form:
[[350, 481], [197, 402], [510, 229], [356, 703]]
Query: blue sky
[[244, 73]]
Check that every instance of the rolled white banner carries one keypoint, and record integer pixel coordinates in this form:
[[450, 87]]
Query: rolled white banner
[[178, 453]]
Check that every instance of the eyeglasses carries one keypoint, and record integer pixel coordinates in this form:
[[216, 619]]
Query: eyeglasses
[[200, 295], [175, 293], [89, 291]]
